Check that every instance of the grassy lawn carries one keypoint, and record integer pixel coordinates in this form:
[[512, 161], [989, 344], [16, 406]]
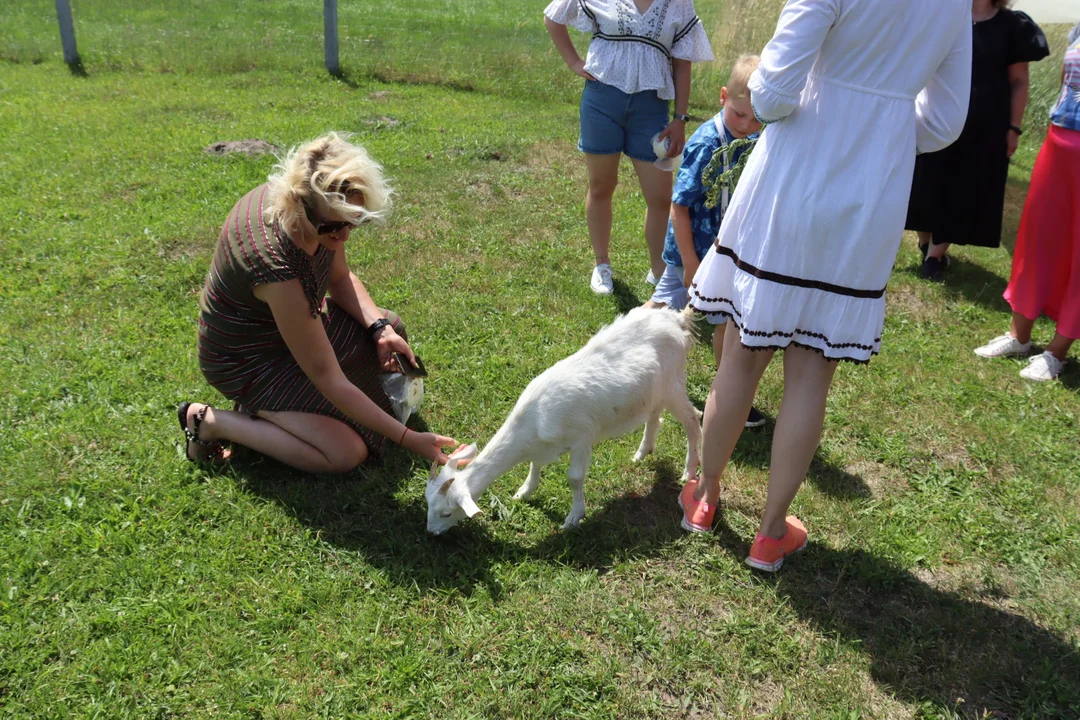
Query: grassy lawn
[[944, 504]]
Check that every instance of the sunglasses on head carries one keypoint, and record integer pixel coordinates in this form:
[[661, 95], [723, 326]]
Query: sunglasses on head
[[327, 228]]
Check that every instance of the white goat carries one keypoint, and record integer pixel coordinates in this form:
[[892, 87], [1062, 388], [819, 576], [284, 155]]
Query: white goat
[[626, 375]]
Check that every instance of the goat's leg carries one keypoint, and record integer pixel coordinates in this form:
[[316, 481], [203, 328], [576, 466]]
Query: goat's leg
[[648, 440], [575, 475], [529, 486], [690, 417]]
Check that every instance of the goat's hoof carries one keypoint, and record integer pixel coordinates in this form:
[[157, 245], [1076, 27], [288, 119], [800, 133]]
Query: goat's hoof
[[523, 494], [641, 455], [572, 522]]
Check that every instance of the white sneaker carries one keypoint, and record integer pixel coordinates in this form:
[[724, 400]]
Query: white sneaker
[[1042, 368], [601, 280], [1003, 346], [651, 279]]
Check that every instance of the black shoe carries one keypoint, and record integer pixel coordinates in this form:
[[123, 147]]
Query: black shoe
[[754, 419], [932, 268], [923, 249]]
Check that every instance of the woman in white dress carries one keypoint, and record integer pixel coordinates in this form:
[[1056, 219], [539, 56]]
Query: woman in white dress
[[850, 91], [639, 59]]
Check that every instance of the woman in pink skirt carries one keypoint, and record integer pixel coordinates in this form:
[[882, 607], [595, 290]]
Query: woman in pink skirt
[[1046, 262]]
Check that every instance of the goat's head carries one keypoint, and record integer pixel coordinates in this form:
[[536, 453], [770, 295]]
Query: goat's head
[[448, 498]]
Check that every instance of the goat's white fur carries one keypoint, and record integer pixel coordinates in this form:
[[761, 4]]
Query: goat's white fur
[[626, 375]]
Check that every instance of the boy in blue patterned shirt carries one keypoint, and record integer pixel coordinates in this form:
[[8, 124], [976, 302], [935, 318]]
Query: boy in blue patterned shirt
[[693, 227]]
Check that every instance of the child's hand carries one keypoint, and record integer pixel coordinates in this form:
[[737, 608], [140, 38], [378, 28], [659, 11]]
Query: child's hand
[[579, 69], [689, 271], [676, 131]]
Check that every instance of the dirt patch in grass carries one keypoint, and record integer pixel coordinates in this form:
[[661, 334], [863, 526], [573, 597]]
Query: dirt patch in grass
[[882, 480], [252, 147], [907, 301], [550, 158]]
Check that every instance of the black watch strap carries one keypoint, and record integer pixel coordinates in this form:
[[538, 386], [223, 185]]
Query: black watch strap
[[1016, 130], [377, 326], [680, 116]]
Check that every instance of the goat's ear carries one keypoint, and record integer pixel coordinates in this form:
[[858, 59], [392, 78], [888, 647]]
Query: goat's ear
[[469, 506]]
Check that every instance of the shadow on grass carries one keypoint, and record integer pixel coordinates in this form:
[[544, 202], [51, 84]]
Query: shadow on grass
[[977, 285], [625, 298], [927, 645], [344, 78], [971, 281], [1070, 376], [360, 511]]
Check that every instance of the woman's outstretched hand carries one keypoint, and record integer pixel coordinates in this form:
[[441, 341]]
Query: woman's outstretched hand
[[431, 446]]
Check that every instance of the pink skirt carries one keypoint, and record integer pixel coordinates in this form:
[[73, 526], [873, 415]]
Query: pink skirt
[[1046, 261]]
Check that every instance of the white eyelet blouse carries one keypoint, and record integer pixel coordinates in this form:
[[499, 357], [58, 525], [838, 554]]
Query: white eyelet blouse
[[632, 50]]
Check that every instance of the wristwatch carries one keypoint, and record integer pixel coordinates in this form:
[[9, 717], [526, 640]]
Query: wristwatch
[[376, 326], [680, 116], [1016, 130]]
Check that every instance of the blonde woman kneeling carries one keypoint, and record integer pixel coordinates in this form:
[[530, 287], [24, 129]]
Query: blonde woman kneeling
[[303, 370]]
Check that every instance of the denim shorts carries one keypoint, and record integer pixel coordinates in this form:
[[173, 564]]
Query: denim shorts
[[614, 122], [671, 291]]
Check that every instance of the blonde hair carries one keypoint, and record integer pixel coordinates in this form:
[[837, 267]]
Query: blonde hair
[[738, 84], [331, 168]]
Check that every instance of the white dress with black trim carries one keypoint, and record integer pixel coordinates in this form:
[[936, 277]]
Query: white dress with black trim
[[632, 50], [850, 90]]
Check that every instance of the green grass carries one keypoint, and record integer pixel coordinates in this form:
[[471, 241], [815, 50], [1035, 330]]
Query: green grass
[[943, 504]]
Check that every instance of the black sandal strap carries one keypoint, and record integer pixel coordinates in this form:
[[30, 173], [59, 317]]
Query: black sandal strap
[[192, 434]]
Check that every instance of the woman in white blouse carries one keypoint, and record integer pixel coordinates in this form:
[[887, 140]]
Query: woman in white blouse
[[850, 91], [639, 59]]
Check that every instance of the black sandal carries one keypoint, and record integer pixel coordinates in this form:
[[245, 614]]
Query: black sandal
[[216, 447]]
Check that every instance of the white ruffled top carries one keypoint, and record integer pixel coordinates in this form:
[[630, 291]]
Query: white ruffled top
[[632, 50]]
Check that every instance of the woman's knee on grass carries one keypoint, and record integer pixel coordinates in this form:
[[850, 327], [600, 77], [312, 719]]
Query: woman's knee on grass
[[347, 455]]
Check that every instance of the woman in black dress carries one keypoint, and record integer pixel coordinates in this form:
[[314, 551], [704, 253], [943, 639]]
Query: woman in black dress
[[958, 195]]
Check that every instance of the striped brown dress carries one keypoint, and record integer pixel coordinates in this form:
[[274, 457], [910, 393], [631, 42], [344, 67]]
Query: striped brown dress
[[241, 351]]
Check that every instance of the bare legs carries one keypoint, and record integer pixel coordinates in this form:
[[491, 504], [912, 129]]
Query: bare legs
[[655, 186], [807, 377], [726, 408], [1021, 327], [308, 442], [719, 332], [926, 240], [603, 178], [1021, 330]]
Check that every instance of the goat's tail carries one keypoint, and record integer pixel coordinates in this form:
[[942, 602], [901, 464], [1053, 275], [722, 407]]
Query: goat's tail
[[689, 318]]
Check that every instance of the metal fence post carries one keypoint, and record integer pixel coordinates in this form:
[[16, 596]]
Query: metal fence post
[[67, 32], [330, 34]]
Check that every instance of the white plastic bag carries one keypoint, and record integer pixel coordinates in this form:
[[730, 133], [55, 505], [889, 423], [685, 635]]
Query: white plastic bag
[[406, 394]]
